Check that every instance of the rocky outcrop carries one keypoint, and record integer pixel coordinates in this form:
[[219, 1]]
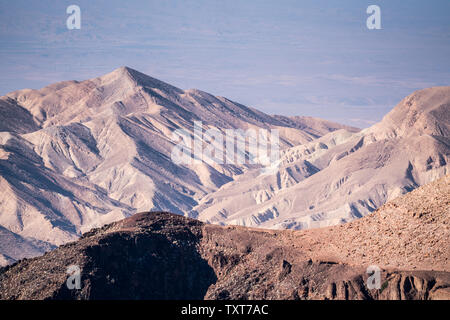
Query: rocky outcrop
[[148, 256]]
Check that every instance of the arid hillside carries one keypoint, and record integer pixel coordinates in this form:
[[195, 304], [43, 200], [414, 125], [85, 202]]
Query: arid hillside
[[165, 256]]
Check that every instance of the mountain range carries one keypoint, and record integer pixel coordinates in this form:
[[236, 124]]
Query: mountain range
[[343, 175], [81, 154]]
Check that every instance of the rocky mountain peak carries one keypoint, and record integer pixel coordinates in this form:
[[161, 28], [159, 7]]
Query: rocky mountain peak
[[137, 78]]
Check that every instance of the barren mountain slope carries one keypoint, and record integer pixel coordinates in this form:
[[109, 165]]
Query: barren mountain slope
[[409, 232], [75, 155], [343, 175], [165, 256]]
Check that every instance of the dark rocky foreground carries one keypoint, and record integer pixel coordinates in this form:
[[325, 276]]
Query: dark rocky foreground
[[166, 256]]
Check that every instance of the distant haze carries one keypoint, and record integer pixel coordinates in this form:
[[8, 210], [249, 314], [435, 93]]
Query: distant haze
[[313, 58]]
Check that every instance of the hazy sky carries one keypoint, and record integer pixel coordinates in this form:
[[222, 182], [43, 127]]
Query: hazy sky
[[294, 57]]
